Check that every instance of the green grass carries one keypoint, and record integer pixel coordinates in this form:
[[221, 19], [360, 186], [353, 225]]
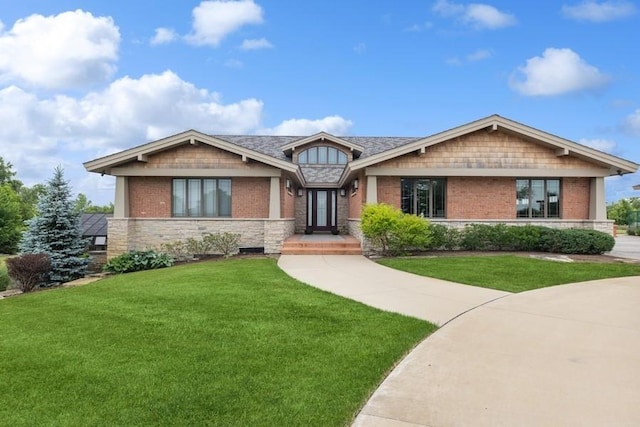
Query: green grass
[[227, 343], [509, 272]]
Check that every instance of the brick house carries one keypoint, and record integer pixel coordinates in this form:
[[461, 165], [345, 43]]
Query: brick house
[[268, 188]]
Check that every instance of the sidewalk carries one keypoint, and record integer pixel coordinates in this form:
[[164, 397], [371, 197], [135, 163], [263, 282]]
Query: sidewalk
[[559, 356]]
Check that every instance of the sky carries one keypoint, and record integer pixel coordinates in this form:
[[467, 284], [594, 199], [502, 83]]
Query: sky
[[83, 79]]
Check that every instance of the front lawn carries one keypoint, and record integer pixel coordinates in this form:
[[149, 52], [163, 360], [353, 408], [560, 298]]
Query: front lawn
[[223, 343], [509, 272]]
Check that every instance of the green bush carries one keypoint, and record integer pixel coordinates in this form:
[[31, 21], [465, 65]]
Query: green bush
[[225, 243], [28, 270], [501, 237], [393, 231], [4, 277], [138, 261]]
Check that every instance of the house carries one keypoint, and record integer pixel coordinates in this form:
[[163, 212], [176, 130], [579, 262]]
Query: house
[[636, 187], [94, 229], [268, 188]]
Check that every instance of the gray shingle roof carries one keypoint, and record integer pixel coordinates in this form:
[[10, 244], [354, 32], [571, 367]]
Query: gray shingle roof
[[322, 174], [94, 224], [271, 145]]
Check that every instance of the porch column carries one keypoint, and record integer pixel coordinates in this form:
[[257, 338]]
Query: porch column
[[274, 198], [597, 205], [372, 189], [121, 203]]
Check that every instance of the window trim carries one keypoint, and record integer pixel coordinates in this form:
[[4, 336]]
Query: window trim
[[201, 209], [431, 205], [545, 201]]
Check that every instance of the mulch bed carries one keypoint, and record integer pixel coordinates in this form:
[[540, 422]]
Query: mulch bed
[[576, 258]]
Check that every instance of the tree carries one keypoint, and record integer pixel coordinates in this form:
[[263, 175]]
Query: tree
[[83, 205], [7, 175], [10, 220], [55, 231], [29, 199], [619, 211]]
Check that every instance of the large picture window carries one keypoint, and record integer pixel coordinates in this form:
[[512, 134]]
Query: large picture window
[[424, 197], [209, 197], [538, 198]]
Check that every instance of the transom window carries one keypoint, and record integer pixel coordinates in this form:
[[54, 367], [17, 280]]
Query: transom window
[[322, 156], [207, 197], [424, 197], [538, 198]]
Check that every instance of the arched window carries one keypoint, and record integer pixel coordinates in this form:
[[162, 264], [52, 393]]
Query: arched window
[[322, 156]]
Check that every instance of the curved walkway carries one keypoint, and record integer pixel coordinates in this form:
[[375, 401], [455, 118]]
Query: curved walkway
[[562, 356]]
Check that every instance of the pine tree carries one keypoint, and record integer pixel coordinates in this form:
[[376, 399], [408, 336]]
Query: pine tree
[[55, 231]]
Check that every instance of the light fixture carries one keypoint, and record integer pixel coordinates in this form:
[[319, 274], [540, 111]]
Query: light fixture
[[288, 184], [343, 192], [300, 192], [355, 183]]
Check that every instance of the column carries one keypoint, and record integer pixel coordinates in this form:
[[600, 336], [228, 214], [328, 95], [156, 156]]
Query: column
[[121, 203], [597, 205], [274, 198], [372, 189]]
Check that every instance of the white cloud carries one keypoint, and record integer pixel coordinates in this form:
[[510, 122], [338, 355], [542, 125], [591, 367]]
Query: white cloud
[[479, 55], [360, 48], [234, 63], [164, 36], [631, 123], [556, 72], [478, 15], [255, 44], [214, 20], [599, 11], [334, 125], [69, 50], [606, 145]]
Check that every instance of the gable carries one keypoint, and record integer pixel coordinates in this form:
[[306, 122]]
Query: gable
[[483, 150]]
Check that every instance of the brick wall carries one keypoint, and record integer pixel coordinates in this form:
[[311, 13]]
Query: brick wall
[[250, 197], [481, 198], [357, 197], [287, 199], [575, 198], [389, 190], [150, 197]]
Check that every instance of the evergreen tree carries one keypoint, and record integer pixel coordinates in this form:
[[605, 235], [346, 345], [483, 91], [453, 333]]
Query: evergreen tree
[[55, 231], [10, 220]]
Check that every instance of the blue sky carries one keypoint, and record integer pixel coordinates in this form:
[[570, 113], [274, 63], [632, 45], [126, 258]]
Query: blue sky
[[82, 79]]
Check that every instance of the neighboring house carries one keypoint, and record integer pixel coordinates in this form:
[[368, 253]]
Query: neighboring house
[[636, 187], [94, 229], [267, 188]]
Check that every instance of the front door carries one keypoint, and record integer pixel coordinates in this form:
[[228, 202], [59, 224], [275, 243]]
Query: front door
[[322, 210]]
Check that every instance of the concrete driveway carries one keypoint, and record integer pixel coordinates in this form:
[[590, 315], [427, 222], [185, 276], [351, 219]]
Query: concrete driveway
[[626, 247], [560, 356]]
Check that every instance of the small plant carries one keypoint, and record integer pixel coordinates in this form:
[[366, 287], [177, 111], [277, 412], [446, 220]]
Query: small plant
[[225, 243], [4, 276], [138, 261], [29, 270]]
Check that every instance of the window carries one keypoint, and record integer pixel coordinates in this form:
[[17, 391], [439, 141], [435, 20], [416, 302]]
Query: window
[[201, 197], [538, 198], [322, 156], [424, 197]]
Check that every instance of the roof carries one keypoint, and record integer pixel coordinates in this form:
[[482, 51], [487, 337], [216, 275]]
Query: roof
[[94, 224], [276, 151]]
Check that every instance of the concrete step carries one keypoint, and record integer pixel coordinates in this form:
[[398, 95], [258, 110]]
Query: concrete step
[[321, 245]]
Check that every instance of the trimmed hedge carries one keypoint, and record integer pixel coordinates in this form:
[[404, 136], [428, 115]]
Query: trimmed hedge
[[530, 238]]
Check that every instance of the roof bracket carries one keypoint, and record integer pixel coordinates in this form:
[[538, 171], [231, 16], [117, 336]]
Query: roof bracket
[[492, 128], [143, 158], [245, 159], [562, 152], [422, 151], [192, 141]]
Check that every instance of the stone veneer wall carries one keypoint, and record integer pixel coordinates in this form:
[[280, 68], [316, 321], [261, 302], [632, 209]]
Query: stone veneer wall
[[126, 234]]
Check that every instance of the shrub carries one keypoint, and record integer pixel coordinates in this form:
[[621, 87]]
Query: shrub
[[393, 231], [138, 261], [225, 243], [4, 277], [28, 270]]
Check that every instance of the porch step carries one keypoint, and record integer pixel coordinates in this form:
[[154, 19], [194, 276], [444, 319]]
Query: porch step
[[321, 244]]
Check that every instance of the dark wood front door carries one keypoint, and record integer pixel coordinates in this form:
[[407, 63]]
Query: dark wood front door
[[322, 210]]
